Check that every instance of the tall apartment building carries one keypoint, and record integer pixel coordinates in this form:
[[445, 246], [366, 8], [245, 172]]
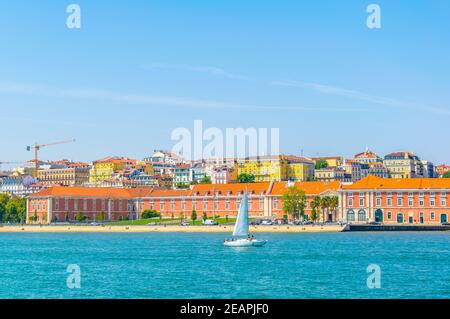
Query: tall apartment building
[[403, 165], [104, 169], [64, 176]]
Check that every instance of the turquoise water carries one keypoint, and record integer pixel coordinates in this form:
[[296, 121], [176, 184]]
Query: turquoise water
[[329, 265]]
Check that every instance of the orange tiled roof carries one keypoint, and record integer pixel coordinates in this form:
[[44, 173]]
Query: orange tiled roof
[[169, 192], [310, 188], [60, 191], [374, 182], [233, 189]]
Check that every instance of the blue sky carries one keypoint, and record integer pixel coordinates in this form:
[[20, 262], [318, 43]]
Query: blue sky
[[137, 70]]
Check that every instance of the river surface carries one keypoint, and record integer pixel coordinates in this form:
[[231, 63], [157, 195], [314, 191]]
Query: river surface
[[180, 265]]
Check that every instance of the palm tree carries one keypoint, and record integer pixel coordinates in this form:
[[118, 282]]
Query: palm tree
[[334, 204], [324, 205], [315, 204]]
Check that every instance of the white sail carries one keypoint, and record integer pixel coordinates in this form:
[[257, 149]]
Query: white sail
[[241, 226]]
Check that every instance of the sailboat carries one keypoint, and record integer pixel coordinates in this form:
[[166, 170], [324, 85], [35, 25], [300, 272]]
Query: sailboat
[[240, 234]]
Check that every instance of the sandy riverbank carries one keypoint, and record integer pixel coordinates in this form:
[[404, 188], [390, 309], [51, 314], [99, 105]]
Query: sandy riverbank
[[164, 229]]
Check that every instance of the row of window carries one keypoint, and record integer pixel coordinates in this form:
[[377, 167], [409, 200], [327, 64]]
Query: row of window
[[204, 204], [38, 205], [431, 202], [400, 217]]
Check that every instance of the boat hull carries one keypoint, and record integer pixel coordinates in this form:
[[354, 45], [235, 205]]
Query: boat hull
[[245, 243]]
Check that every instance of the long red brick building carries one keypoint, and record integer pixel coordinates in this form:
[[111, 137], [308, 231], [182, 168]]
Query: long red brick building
[[418, 200]]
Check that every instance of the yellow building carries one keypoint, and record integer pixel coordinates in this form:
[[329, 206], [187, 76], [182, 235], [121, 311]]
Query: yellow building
[[106, 168], [277, 168], [332, 161], [403, 165]]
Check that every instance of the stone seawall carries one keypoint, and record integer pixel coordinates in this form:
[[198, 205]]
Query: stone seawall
[[397, 228]]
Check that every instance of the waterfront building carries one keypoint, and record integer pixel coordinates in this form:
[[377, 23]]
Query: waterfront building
[[277, 168], [403, 165], [62, 204], [396, 200], [387, 200]]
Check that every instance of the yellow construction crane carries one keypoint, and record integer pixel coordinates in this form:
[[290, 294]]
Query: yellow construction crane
[[37, 147]]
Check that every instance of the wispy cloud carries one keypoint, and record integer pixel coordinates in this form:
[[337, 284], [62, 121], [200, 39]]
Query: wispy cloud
[[356, 95], [320, 88], [142, 99], [211, 70]]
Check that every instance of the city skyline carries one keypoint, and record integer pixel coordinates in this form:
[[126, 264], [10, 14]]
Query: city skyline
[[330, 84]]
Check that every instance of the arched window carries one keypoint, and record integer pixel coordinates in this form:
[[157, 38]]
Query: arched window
[[351, 215], [361, 215]]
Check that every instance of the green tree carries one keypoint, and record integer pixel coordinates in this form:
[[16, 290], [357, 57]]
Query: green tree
[[205, 180], [324, 205], [446, 174], [321, 163], [15, 210], [4, 199], [334, 204], [182, 186], [67, 217], [79, 217], [149, 213], [205, 216], [101, 216], [34, 218], [194, 216], [314, 214], [246, 178], [315, 205], [293, 201]]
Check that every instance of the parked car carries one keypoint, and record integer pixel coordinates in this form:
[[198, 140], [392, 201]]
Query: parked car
[[307, 222], [374, 223], [266, 222], [95, 224], [152, 224], [185, 224], [445, 224], [210, 222]]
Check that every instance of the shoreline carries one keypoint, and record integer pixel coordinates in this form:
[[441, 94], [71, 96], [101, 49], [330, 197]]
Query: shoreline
[[165, 229]]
